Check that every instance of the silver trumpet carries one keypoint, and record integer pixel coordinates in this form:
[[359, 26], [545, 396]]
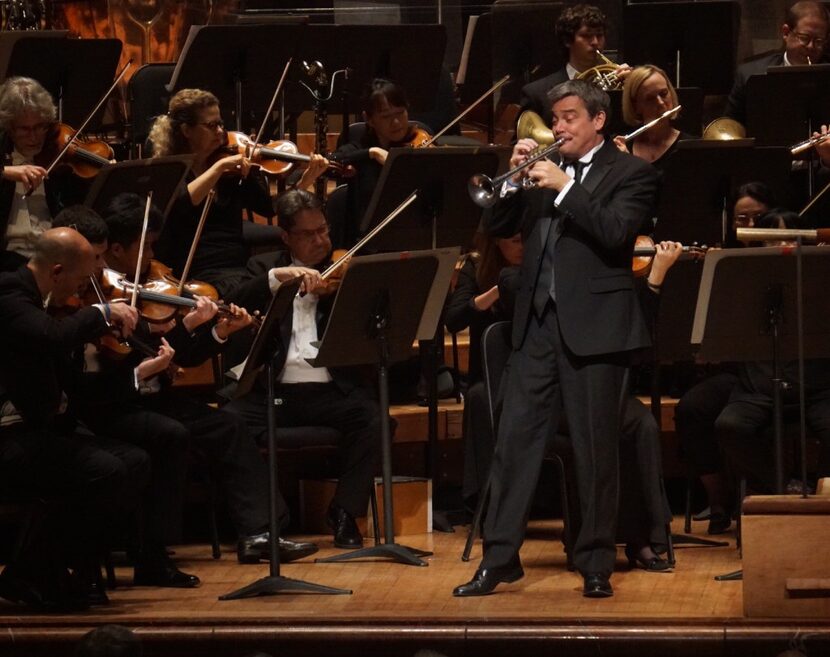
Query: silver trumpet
[[484, 189]]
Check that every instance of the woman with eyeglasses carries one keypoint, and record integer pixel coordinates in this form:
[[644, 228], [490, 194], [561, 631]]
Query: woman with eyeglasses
[[27, 115], [193, 126]]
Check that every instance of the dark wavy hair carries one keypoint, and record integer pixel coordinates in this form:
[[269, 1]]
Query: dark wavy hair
[[573, 18]]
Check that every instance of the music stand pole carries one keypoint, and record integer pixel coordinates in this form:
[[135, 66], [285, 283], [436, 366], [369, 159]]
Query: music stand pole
[[274, 583]]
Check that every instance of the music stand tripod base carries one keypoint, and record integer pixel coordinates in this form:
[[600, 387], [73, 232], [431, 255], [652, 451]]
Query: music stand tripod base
[[399, 553], [272, 585]]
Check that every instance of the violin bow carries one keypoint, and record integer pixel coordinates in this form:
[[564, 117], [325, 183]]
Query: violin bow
[[196, 237], [134, 299], [483, 96], [273, 102], [80, 130], [336, 265]]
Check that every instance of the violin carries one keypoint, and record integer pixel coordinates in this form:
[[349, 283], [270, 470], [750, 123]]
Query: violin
[[276, 158], [84, 156], [644, 251], [418, 138]]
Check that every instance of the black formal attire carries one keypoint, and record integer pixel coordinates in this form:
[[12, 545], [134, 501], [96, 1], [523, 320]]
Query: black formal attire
[[736, 103], [62, 188], [576, 320], [44, 454], [740, 426], [342, 403], [459, 314], [222, 251], [167, 422], [534, 95]]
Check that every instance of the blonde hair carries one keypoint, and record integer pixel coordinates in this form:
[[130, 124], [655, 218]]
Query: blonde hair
[[19, 95], [633, 82], [183, 109]]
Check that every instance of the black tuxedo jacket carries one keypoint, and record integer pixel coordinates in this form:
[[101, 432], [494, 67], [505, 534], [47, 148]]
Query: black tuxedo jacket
[[534, 95], [736, 104], [35, 349], [594, 230]]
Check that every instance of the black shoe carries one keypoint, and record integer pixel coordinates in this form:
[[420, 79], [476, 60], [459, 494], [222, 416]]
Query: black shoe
[[254, 549], [719, 523], [597, 586], [486, 579], [346, 534], [654, 564], [161, 571], [96, 594]]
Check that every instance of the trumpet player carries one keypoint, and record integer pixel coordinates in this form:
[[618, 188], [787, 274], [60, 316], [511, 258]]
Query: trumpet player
[[581, 30], [575, 323]]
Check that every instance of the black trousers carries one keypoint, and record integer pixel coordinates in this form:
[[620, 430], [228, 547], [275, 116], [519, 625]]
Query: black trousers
[[94, 480], [167, 425], [354, 414], [542, 379]]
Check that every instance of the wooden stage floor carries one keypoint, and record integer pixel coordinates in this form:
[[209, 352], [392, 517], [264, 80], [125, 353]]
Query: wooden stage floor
[[396, 609]]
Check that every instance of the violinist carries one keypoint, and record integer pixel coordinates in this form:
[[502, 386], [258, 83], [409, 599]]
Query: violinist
[[27, 121], [42, 453], [165, 420], [386, 113], [315, 396], [193, 125]]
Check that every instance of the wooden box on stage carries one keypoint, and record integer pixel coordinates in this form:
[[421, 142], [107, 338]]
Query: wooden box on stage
[[786, 560], [411, 501]]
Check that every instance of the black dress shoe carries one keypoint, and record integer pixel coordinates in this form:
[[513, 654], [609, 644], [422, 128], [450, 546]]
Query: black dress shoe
[[163, 572], [346, 534], [253, 549], [653, 564], [597, 586], [486, 579], [719, 523]]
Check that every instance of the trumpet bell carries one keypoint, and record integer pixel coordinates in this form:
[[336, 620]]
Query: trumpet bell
[[532, 126], [724, 129], [482, 190]]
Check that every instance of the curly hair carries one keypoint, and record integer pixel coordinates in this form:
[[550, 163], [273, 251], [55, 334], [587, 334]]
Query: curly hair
[[183, 109], [573, 18], [19, 95], [633, 82]]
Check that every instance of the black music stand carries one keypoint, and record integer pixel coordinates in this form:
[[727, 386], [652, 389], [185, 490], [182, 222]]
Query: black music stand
[[77, 72], [443, 215], [701, 213], [164, 176], [699, 37], [787, 104], [384, 303], [240, 64], [262, 355], [746, 311]]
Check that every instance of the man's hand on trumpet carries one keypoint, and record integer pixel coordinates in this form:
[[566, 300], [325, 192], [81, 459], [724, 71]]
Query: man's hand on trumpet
[[823, 149], [521, 152], [548, 175]]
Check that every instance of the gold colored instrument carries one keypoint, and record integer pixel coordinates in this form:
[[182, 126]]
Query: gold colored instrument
[[484, 190], [724, 129], [602, 75], [531, 125], [807, 144]]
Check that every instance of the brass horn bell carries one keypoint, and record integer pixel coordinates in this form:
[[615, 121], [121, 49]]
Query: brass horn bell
[[531, 125]]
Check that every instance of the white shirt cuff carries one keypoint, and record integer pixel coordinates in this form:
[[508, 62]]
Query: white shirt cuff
[[216, 336], [273, 282], [561, 196], [508, 188]]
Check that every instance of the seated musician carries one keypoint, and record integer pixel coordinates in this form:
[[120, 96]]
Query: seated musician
[[310, 396], [804, 35], [27, 119], [647, 95], [580, 30], [386, 113], [193, 125], [744, 425], [475, 304], [42, 454], [142, 408]]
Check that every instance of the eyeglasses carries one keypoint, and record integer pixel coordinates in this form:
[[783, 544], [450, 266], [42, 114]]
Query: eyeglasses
[[747, 219], [212, 125], [26, 130], [309, 235], [806, 39]]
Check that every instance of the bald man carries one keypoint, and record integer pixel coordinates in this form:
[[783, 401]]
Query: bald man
[[41, 455]]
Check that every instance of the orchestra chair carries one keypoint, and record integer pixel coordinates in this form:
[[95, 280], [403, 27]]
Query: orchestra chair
[[496, 347], [148, 98]]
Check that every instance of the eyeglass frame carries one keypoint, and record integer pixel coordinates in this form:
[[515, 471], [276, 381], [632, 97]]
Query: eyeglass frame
[[308, 235], [806, 39], [212, 125]]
